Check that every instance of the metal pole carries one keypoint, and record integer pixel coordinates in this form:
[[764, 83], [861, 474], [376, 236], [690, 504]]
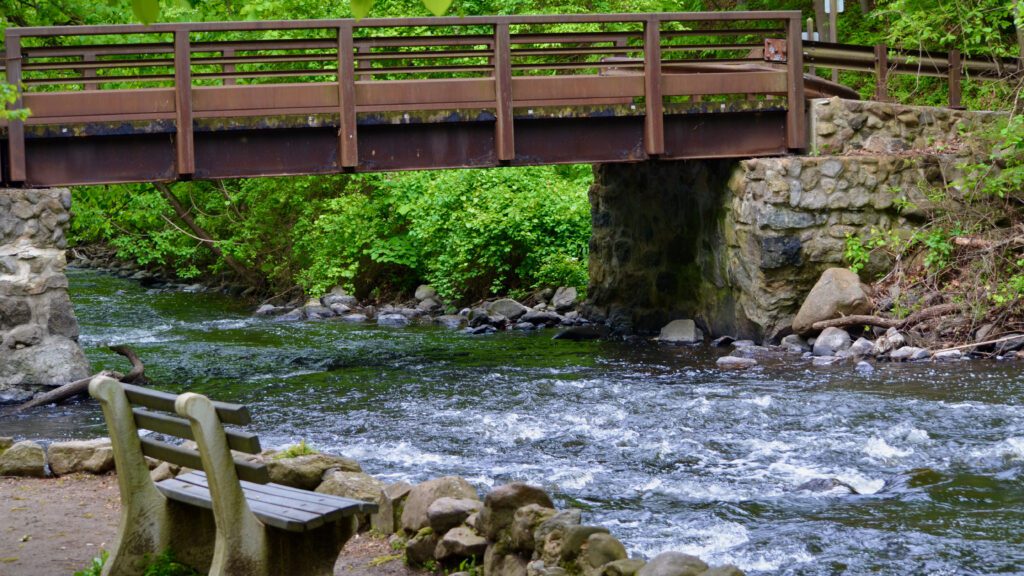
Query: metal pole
[[881, 73], [348, 152], [833, 35], [504, 136], [955, 79], [810, 38], [654, 121], [183, 103]]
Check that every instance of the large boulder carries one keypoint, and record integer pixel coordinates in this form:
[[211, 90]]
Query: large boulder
[[564, 298], [832, 341], [683, 331], [424, 292], [838, 292], [525, 523], [355, 485], [388, 517], [508, 308], [601, 549], [673, 564], [460, 542], [501, 504], [497, 563], [26, 458], [421, 547], [414, 514], [307, 471], [628, 567], [92, 456], [51, 361], [550, 534], [447, 513]]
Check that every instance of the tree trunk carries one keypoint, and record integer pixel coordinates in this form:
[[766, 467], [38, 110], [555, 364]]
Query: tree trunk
[[201, 234]]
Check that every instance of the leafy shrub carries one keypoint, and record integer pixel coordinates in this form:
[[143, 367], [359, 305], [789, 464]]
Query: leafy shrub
[[295, 450]]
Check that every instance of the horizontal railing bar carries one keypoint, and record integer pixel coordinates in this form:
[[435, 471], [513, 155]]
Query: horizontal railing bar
[[721, 32], [458, 21]]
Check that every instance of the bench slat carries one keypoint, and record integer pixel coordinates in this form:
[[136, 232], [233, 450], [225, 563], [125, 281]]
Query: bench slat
[[276, 516], [180, 428], [228, 413], [329, 513], [272, 510], [249, 471], [297, 495]]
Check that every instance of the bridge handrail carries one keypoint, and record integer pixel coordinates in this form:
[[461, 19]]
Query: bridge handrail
[[496, 62]]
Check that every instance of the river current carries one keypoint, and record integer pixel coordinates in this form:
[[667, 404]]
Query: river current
[[652, 442]]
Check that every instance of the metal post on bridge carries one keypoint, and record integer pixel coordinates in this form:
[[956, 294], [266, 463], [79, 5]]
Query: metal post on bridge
[[654, 120], [183, 103], [504, 135], [348, 151], [15, 128], [881, 73], [955, 77], [796, 122]]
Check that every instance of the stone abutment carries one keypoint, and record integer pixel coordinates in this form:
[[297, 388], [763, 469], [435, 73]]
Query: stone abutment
[[737, 245], [38, 328]]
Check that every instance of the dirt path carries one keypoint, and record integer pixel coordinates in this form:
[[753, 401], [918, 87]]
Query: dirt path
[[55, 526]]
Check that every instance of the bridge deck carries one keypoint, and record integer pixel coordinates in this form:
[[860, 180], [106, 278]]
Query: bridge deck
[[218, 100]]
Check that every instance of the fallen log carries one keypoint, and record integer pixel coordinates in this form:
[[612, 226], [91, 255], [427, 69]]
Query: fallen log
[[867, 320], [137, 375], [64, 392]]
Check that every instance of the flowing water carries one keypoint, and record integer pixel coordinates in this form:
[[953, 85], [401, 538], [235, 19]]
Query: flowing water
[[652, 442]]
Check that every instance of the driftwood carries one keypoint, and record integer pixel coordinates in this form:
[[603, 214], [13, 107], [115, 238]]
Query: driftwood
[[865, 320], [977, 344], [72, 389], [64, 392]]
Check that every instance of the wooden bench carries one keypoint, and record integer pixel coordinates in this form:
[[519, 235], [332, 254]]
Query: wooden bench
[[225, 517]]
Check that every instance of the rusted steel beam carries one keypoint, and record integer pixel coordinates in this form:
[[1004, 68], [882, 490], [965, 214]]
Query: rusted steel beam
[[183, 103], [796, 121], [15, 128], [504, 135], [348, 155], [654, 128]]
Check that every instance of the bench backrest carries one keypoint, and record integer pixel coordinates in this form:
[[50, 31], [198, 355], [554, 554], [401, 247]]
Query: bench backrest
[[155, 411]]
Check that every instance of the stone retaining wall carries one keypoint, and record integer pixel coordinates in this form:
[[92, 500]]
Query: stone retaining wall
[[38, 328], [736, 245]]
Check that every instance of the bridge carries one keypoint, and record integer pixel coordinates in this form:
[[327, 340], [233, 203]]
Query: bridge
[[163, 102]]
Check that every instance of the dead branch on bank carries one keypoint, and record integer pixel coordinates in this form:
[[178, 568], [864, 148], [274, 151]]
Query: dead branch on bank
[[909, 321], [137, 375]]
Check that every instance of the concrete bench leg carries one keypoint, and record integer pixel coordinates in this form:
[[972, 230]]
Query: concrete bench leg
[[314, 553]]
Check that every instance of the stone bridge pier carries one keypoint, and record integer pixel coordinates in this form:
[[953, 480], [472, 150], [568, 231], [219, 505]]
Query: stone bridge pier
[[737, 245], [38, 328]]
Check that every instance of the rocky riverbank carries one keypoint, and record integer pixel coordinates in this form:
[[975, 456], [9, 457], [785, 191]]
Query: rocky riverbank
[[441, 525]]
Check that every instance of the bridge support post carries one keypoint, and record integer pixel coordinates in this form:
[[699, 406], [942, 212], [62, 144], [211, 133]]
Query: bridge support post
[[15, 128], [38, 328], [796, 120], [183, 103], [504, 136], [654, 121], [348, 152]]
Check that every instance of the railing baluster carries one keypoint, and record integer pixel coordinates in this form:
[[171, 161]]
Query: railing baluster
[[504, 136], [15, 128], [228, 68], [796, 123], [183, 102], [89, 72], [348, 151], [654, 121], [881, 72], [955, 78]]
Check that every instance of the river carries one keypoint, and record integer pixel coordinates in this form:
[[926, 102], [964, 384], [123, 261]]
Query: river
[[652, 442]]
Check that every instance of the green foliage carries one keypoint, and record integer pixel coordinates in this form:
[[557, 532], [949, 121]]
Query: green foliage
[[296, 450], [165, 565], [858, 250], [8, 96], [95, 567]]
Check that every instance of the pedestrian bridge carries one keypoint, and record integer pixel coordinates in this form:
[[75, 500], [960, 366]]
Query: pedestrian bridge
[[182, 101]]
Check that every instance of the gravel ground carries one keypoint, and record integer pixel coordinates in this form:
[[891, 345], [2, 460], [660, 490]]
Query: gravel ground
[[55, 526]]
